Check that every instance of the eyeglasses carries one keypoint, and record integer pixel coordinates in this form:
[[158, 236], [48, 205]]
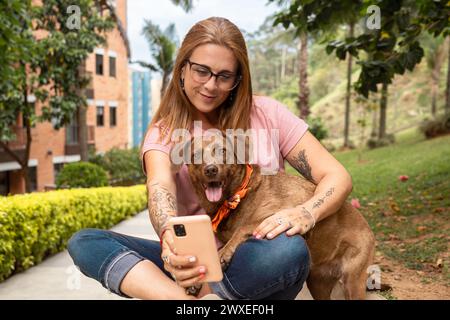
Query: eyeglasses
[[226, 81]]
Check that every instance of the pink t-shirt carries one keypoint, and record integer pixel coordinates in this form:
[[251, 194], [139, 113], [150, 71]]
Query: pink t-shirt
[[275, 131]]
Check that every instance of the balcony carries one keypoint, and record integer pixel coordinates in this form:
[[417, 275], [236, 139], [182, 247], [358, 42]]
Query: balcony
[[72, 146]]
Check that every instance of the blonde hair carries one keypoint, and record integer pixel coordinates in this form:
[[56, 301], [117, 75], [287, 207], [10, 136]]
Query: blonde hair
[[175, 109]]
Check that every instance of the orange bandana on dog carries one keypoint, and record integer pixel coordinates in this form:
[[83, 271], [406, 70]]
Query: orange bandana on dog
[[232, 203]]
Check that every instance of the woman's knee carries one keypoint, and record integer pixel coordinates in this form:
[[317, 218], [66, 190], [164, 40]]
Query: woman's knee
[[80, 239]]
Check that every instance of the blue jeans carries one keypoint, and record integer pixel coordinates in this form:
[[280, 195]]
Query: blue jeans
[[259, 269]]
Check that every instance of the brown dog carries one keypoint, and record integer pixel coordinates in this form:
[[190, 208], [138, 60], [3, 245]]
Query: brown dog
[[341, 245]]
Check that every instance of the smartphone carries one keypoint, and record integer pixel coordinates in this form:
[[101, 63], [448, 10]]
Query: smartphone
[[193, 235]]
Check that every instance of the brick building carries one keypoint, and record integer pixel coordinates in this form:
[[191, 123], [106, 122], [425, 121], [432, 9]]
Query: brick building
[[107, 117]]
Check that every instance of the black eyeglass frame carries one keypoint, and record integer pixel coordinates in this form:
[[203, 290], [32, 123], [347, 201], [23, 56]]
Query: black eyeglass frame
[[212, 74]]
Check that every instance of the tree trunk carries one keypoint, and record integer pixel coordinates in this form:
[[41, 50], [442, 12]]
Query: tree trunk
[[283, 63], [27, 154], [447, 91], [349, 92], [27, 125], [165, 81], [82, 133], [383, 107], [303, 95], [82, 122], [435, 77]]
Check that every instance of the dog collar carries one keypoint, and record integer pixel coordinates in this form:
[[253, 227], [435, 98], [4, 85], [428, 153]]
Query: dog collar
[[232, 202]]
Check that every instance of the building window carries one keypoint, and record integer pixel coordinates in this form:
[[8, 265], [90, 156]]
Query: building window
[[99, 64], [112, 67], [100, 116], [112, 116]]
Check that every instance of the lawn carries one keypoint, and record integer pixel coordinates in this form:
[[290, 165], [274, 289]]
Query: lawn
[[410, 218]]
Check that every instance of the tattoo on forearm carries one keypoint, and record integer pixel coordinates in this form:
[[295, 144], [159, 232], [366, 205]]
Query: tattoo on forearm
[[302, 165], [320, 201], [162, 205]]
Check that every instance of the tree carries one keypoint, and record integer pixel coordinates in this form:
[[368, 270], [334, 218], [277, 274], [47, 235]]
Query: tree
[[322, 17], [390, 48], [186, 5], [447, 90], [163, 45], [435, 57], [50, 69]]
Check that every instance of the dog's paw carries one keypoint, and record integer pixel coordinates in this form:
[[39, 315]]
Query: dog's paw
[[225, 258], [224, 264]]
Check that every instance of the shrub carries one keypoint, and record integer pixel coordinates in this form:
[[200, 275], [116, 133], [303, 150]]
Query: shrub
[[36, 225], [123, 166], [81, 175], [317, 128], [373, 143], [436, 127]]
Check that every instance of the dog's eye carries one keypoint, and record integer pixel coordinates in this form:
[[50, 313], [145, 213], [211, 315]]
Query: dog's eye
[[197, 155]]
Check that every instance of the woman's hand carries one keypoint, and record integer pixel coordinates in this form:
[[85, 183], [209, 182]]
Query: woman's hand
[[182, 267], [293, 220]]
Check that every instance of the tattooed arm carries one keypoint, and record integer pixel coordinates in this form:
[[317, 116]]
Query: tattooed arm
[[316, 164], [161, 189]]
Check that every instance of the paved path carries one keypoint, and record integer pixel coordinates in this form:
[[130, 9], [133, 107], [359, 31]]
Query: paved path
[[57, 278]]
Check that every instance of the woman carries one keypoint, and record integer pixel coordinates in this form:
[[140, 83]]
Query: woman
[[211, 83]]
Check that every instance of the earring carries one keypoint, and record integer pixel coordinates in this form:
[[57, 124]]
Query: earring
[[182, 83], [231, 97]]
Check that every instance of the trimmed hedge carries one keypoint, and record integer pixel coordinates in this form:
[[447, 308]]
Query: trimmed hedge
[[36, 225]]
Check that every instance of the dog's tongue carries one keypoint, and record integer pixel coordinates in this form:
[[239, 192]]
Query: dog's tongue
[[213, 193]]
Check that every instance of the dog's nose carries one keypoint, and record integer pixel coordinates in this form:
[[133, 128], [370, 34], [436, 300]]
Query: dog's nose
[[211, 170]]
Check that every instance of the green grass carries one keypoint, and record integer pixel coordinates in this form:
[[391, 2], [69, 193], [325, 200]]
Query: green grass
[[410, 219]]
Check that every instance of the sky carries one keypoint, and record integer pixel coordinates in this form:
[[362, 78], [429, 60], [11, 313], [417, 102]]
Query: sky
[[246, 14]]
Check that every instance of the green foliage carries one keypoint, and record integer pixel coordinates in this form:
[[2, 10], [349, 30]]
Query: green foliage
[[391, 49], [123, 166], [47, 67], [396, 209], [317, 128], [82, 175], [373, 143], [273, 58], [435, 127], [34, 226], [163, 46]]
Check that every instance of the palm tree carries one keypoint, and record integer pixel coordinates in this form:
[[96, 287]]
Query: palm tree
[[186, 5], [163, 45]]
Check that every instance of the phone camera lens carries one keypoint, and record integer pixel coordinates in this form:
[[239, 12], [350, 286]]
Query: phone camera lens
[[180, 231]]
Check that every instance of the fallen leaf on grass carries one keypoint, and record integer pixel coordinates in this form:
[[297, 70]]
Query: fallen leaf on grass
[[439, 263], [421, 228], [439, 210], [394, 207], [393, 237], [400, 219]]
